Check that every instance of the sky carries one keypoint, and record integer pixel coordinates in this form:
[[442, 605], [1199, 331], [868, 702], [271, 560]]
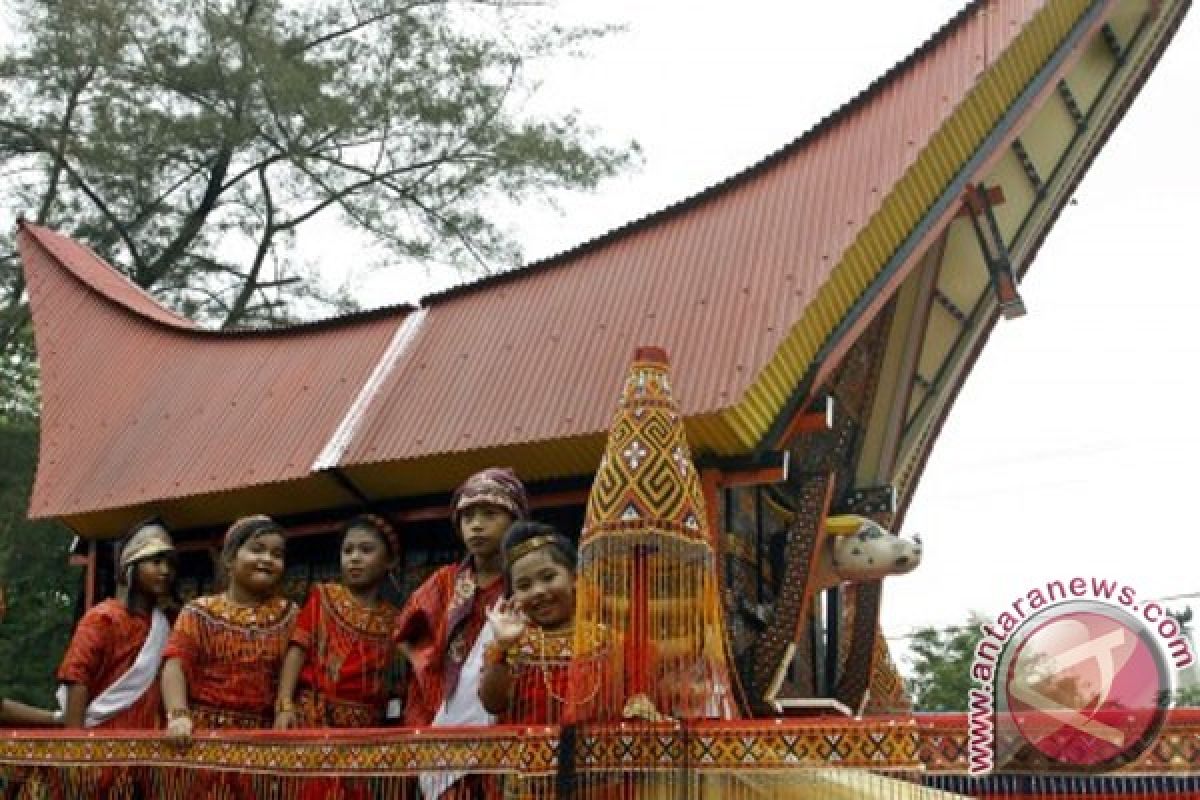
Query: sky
[[1071, 449]]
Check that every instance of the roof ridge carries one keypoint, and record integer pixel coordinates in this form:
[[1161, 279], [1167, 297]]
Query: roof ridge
[[50, 239], [795, 145], [339, 442]]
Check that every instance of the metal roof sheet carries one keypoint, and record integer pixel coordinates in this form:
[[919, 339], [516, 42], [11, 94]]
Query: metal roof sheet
[[743, 284], [720, 280], [138, 406]]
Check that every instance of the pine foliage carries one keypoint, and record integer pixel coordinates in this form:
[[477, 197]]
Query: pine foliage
[[40, 589]]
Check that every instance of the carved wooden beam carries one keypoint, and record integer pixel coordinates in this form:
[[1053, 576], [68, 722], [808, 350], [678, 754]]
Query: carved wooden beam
[[995, 252], [768, 657], [865, 632], [768, 468], [818, 417], [995, 196], [860, 658]]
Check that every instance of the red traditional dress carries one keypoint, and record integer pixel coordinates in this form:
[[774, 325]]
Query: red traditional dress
[[103, 648], [346, 678], [345, 681], [542, 667], [440, 623], [231, 657]]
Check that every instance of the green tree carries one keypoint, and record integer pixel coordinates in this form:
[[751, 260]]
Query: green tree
[[188, 142], [39, 587], [1187, 697], [941, 665]]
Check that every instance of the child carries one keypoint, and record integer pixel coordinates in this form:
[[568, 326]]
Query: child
[[226, 649], [441, 629], [525, 680], [530, 667], [109, 673], [441, 623], [341, 649]]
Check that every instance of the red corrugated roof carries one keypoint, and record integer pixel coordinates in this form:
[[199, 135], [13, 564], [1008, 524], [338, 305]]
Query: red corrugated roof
[[139, 405], [94, 273], [718, 280]]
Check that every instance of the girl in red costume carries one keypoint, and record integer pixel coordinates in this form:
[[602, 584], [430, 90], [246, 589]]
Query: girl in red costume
[[226, 649], [530, 665], [341, 653], [526, 667], [338, 671], [109, 674]]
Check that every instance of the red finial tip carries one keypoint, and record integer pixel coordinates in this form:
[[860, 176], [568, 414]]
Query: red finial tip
[[652, 354]]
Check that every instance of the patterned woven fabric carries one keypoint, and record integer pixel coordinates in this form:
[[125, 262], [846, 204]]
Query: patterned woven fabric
[[646, 565], [346, 677], [231, 656]]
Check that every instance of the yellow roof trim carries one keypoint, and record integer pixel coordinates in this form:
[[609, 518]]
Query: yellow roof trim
[[947, 152]]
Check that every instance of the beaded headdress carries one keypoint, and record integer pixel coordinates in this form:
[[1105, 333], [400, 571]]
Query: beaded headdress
[[526, 547], [382, 528], [244, 529]]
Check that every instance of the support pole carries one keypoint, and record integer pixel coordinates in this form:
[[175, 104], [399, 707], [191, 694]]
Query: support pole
[[89, 586]]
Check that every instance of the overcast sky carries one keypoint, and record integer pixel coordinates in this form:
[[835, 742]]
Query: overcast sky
[[1071, 449]]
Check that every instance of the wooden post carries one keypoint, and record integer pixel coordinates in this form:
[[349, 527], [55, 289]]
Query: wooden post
[[711, 485], [89, 587]]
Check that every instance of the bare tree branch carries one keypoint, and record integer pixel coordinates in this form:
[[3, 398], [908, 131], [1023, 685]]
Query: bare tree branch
[[202, 128], [365, 23], [60, 149], [238, 309]]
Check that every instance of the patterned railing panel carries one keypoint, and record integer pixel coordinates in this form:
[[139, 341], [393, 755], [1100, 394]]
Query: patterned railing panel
[[921, 756]]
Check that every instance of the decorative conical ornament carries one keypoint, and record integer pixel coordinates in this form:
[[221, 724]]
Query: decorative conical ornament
[[647, 571], [646, 488]]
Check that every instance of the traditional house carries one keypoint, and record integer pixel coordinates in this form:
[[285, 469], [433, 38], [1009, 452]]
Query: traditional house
[[822, 310]]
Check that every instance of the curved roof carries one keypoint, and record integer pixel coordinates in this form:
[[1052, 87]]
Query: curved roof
[[720, 280], [139, 405], [97, 275], [747, 285], [749, 173]]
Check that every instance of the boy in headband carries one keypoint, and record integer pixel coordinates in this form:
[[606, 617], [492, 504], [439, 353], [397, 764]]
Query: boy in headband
[[441, 628]]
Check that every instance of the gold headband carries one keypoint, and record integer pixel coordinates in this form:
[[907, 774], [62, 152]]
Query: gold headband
[[528, 546]]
